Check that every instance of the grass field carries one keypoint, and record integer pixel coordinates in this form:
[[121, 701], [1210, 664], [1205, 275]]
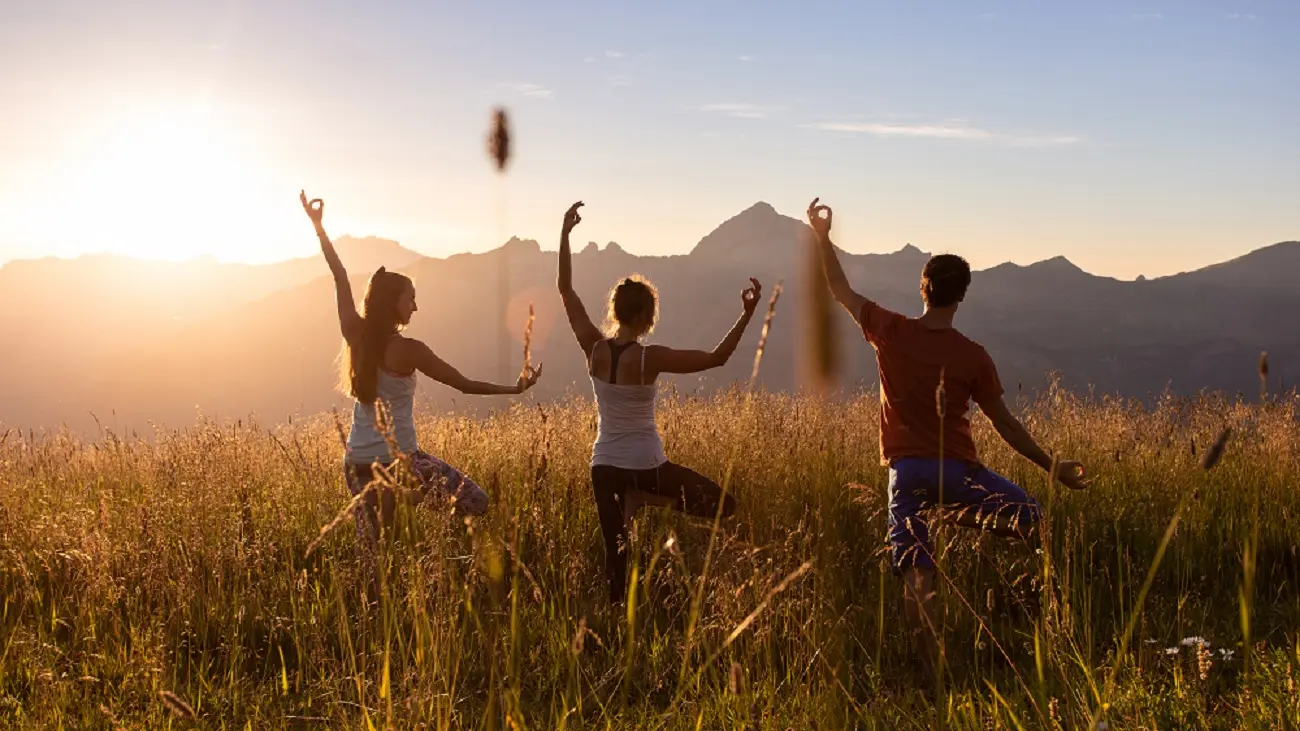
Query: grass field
[[145, 581]]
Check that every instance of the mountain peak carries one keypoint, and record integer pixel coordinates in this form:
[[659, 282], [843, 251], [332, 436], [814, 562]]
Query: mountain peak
[[521, 245], [370, 252], [1055, 264], [759, 231]]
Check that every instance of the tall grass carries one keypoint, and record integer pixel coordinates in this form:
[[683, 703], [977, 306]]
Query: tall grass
[[167, 583]]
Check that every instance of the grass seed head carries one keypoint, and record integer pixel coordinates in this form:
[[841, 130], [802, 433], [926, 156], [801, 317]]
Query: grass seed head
[[528, 338], [177, 705], [499, 139], [1215, 452]]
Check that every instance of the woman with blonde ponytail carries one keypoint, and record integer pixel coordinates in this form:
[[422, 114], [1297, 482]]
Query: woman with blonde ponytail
[[379, 368], [629, 469]]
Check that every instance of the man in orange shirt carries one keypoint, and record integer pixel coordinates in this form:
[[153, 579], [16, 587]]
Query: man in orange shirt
[[929, 374]]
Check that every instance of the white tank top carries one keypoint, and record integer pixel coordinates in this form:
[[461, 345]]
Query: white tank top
[[366, 443], [626, 434]]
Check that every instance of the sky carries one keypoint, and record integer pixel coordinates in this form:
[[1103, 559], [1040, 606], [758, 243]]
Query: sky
[[1131, 137]]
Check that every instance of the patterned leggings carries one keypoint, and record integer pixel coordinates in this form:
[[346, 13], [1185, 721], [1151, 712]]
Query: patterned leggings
[[431, 475]]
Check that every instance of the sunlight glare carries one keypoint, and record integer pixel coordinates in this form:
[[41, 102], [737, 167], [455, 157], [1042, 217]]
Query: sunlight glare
[[174, 185]]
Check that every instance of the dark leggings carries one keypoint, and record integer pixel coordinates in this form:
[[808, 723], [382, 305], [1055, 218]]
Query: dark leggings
[[689, 491]]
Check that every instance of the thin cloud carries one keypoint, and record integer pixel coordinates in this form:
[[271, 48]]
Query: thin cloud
[[530, 90], [945, 131], [744, 59], [938, 131], [589, 59], [742, 111], [613, 54], [617, 81], [1241, 16], [1053, 141], [1147, 17]]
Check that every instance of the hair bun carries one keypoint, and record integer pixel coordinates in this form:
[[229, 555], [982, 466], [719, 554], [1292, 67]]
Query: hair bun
[[380, 270], [628, 281]]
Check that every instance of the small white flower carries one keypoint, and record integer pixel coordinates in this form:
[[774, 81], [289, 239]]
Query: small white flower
[[1171, 650], [1226, 653], [1190, 641]]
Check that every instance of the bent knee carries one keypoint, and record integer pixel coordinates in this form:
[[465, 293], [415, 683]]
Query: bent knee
[[472, 500]]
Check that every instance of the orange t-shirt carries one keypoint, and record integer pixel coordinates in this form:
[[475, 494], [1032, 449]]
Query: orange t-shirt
[[910, 357]]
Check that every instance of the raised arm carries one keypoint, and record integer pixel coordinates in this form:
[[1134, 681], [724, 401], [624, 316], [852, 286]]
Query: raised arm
[[407, 353], [839, 284], [349, 321], [660, 359], [583, 329], [1014, 433]]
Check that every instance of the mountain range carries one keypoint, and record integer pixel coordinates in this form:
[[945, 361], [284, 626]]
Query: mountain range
[[135, 343]]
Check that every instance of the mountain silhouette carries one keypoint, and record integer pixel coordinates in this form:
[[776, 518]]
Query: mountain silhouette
[[138, 343]]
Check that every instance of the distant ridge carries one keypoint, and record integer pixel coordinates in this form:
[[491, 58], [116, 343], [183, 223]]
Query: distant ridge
[[151, 342]]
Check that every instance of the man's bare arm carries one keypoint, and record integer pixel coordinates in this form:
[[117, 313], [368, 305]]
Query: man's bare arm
[[835, 278], [1014, 433]]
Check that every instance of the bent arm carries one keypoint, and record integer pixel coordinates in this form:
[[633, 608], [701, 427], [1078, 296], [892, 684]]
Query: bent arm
[[583, 329], [835, 278], [660, 359], [1015, 434], [423, 359]]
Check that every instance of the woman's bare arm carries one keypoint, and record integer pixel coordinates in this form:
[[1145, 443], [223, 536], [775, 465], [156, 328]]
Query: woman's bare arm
[[661, 359], [583, 329], [406, 354], [350, 322]]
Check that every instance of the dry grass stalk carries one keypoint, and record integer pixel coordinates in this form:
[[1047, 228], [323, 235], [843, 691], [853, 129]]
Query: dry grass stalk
[[499, 139], [177, 705], [804, 568], [353, 505], [736, 679], [1215, 452], [338, 427], [528, 339], [111, 717], [767, 327], [1263, 375]]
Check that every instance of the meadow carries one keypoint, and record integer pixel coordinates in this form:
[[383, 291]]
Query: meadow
[[167, 582]]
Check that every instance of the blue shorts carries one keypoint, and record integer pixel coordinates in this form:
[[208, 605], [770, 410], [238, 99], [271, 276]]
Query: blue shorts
[[914, 486]]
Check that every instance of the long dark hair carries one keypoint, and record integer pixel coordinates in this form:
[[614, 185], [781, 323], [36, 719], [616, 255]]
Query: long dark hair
[[359, 371]]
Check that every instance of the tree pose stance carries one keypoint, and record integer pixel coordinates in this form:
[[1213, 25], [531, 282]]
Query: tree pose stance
[[917, 443], [379, 367], [628, 466]]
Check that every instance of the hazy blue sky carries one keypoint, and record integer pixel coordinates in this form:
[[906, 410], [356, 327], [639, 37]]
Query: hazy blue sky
[[1132, 137]]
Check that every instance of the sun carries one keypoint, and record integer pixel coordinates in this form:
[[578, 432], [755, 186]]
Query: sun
[[171, 184]]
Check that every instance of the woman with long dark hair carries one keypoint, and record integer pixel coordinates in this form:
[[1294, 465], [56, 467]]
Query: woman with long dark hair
[[379, 368], [628, 466]]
